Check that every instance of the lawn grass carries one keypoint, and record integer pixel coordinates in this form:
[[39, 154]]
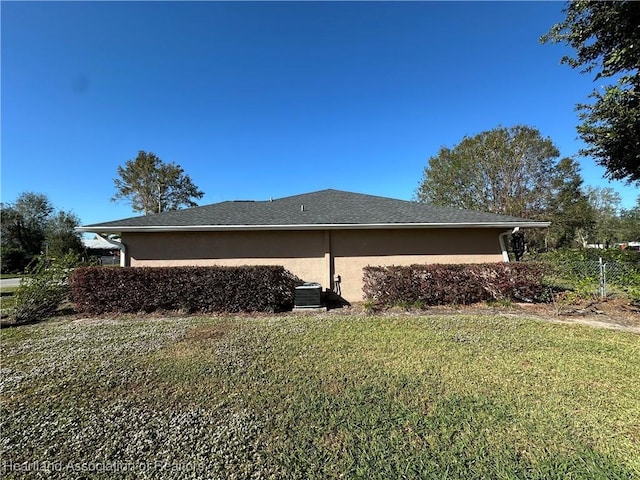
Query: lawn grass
[[457, 397], [7, 299]]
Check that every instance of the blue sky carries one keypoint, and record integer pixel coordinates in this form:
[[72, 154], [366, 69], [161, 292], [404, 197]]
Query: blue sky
[[270, 99]]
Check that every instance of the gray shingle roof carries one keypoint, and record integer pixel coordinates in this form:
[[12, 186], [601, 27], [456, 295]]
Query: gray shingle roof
[[333, 208]]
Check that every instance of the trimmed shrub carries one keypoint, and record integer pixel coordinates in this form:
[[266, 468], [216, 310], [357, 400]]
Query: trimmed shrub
[[98, 290], [458, 284]]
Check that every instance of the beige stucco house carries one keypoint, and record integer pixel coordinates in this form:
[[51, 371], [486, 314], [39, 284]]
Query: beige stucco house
[[325, 237]]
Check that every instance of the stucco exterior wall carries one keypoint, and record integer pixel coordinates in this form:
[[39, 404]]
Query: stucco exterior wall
[[316, 256], [302, 253], [353, 250]]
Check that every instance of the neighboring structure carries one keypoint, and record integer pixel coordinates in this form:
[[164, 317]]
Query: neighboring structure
[[106, 251], [631, 246], [325, 237]]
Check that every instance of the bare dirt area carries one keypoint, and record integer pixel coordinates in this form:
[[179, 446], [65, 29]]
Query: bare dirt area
[[612, 313]]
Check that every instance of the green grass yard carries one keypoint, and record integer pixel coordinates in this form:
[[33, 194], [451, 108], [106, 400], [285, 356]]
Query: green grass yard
[[458, 397], [7, 300]]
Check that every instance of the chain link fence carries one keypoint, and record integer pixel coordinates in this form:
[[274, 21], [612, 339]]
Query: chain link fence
[[598, 277]]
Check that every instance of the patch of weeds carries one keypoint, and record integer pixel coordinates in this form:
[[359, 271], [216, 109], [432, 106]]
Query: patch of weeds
[[371, 307], [500, 302]]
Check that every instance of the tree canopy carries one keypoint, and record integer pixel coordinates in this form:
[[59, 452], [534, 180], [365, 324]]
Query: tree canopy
[[572, 216], [31, 225], [152, 186], [606, 38], [24, 222], [504, 170], [605, 203], [630, 223], [513, 171]]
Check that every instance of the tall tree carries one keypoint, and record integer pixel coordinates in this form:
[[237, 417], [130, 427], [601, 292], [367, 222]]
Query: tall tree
[[606, 38], [61, 236], [572, 217], [31, 225], [630, 223], [504, 170], [605, 202], [152, 186], [24, 222]]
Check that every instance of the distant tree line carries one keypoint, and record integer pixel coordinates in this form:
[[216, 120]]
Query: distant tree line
[[31, 226]]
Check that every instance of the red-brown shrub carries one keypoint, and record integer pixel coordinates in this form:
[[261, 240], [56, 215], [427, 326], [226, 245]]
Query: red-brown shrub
[[453, 284], [191, 289]]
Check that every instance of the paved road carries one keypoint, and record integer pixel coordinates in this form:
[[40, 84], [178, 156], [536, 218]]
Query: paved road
[[10, 282]]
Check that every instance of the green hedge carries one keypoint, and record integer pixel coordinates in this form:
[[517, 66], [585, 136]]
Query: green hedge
[[579, 270], [98, 290], [457, 284], [586, 254]]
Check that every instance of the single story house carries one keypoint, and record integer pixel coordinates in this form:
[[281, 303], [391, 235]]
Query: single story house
[[325, 237]]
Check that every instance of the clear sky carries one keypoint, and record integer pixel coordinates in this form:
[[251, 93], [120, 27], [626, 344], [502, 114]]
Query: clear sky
[[270, 99]]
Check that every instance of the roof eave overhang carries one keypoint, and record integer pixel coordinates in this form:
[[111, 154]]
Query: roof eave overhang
[[331, 226]]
